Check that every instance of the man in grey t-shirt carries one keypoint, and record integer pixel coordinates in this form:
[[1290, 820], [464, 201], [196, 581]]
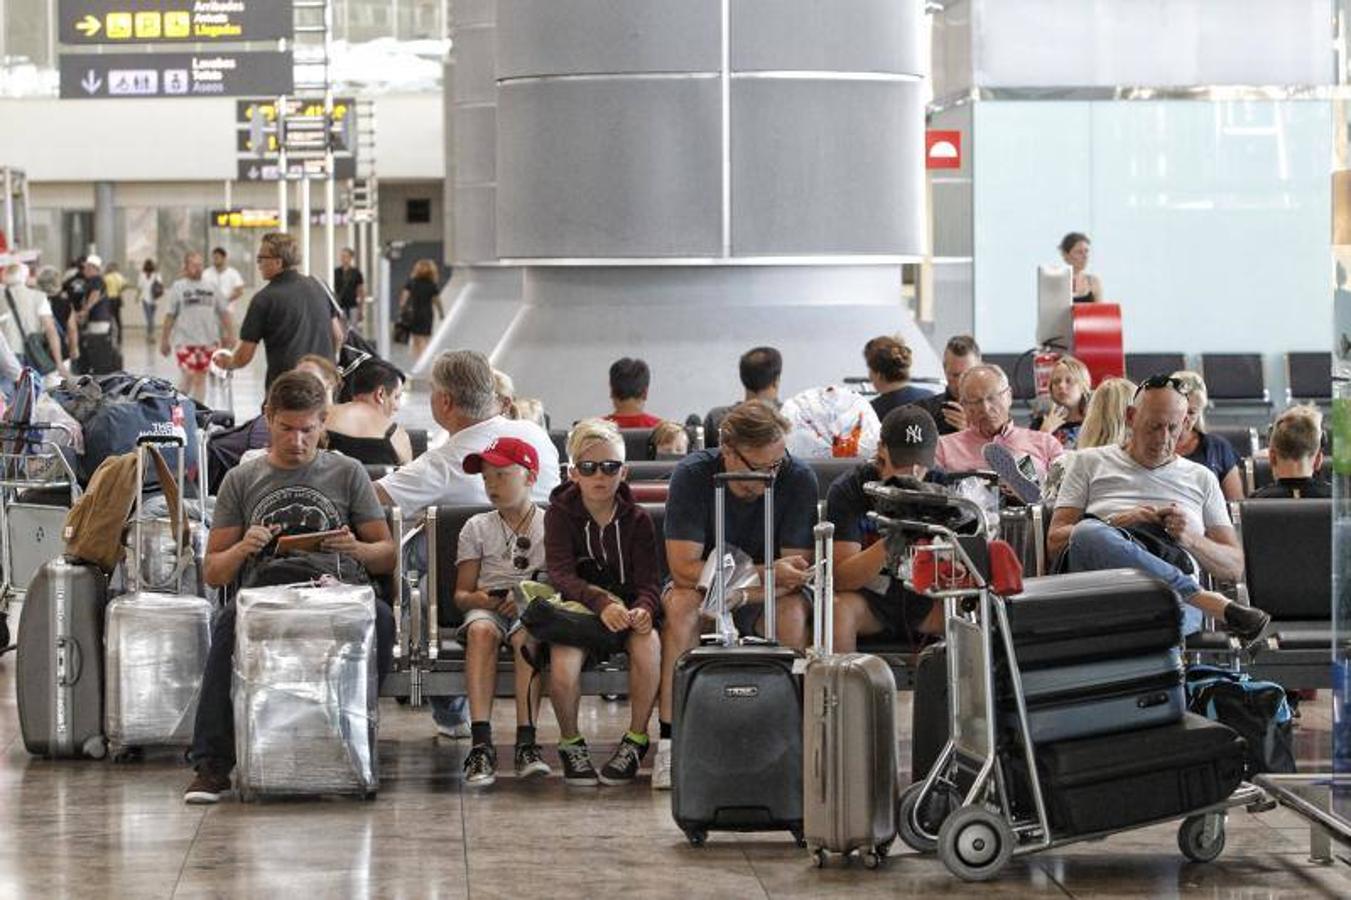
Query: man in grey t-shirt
[[1116, 500], [296, 489], [197, 323]]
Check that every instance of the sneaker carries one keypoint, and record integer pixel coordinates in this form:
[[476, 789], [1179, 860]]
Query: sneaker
[[1245, 622], [530, 762], [623, 766], [661, 766], [577, 768], [1011, 474], [207, 787], [459, 731], [480, 766]]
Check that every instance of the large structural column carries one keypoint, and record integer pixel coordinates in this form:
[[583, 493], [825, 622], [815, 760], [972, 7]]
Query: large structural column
[[682, 181], [105, 219]]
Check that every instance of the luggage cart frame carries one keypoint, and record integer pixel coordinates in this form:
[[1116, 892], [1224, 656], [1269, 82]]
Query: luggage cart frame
[[21, 447], [980, 830]]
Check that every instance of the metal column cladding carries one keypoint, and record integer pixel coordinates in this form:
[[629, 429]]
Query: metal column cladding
[[708, 130]]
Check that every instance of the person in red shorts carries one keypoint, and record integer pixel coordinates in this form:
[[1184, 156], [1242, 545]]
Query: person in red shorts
[[196, 325]]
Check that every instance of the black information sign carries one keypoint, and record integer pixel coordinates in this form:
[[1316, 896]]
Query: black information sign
[[258, 137], [344, 168], [227, 74], [174, 21]]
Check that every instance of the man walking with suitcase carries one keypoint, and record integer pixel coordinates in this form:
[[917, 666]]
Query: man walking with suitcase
[[751, 439]]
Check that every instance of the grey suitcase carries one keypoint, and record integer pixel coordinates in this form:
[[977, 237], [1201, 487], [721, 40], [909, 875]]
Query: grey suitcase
[[156, 643], [849, 737], [1094, 698], [59, 669]]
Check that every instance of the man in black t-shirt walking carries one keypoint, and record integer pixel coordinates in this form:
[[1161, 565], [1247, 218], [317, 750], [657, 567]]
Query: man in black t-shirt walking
[[293, 315], [349, 287]]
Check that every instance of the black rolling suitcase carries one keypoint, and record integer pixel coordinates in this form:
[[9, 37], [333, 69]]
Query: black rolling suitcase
[[1119, 780], [736, 729], [1093, 616], [929, 710]]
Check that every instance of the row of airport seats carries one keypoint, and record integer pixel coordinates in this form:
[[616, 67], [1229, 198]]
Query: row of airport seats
[[1236, 382], [1287, 547], [637, 441]]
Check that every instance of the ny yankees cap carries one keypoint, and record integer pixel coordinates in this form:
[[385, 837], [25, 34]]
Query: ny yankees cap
[[910, 436]]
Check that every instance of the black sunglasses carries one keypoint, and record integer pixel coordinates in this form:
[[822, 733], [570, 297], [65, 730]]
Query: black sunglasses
[[588, 467], [1156, 382]]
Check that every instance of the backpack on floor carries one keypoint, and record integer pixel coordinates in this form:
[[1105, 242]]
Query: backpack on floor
[[1257, 710]]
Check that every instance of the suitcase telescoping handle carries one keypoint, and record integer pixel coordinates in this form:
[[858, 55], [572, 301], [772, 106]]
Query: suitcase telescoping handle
[[823, 610], [134, 563], [720, 482]]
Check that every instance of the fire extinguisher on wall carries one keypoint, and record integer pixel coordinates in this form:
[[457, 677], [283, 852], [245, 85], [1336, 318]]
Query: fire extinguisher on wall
[[1042, 364]]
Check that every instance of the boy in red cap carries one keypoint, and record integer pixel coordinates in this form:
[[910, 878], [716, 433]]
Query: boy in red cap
[[498, 550]]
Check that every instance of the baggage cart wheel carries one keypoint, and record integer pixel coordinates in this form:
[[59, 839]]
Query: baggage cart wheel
[[696, 837], [871, 859], [884, 850], [820, 857], [918, 825], [975, 844], [1193, 842]]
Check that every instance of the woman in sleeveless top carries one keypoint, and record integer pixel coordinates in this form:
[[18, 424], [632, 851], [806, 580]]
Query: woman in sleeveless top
[[1085, 287], [364, 428]]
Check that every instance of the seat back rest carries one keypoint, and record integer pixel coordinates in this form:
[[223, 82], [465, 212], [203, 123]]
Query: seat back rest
[[658, 513], [1140, 366], [418, 438], [1241, 437], [1309, 375], [827, 469], [1257, 471], [560, 438], [1287, 550], [449, 520], [651, 469], [1018, 368], [636, 442], [1234, 376]]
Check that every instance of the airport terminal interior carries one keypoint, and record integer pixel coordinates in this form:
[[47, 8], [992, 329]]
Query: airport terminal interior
[[466, 320]]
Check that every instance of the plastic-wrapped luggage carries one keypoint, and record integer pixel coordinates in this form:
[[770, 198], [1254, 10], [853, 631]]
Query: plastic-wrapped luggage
[[305, 691], [156, 646]]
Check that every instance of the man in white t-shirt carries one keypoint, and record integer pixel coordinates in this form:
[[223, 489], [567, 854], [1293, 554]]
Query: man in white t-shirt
[[1145, 486], [34, 316], [464, 403], [225, 279]]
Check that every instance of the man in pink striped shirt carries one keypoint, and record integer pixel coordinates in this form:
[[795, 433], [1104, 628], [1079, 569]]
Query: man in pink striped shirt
[[986, 398]]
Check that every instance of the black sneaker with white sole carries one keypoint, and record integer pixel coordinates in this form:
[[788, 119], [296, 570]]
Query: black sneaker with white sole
[[624, 765], [480, 766], [1245, 622], [577, 768]]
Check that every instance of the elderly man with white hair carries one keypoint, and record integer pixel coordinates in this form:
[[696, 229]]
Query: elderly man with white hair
[[26, 315], [1139, 505], [1020, 455]]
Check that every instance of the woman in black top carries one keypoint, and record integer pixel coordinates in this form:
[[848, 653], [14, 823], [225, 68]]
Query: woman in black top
[[420, 303], [888, 360], [1210, 450], [364, 429], [1084, 287]]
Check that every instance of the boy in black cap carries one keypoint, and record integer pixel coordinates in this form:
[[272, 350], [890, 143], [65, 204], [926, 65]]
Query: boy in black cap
[[869, 601]]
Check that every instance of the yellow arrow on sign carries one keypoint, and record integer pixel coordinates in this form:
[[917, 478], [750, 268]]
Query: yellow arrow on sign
[[89, 26]]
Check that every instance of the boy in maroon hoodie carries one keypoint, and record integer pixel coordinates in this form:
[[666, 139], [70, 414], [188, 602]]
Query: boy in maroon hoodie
[[601, 550]]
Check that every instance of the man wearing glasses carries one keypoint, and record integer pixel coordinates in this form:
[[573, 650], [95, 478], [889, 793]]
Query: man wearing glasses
[[292, 314], [751, 437], [990, 439], [1141, 506]]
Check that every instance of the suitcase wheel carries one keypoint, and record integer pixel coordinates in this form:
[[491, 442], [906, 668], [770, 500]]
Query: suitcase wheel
[[820, 857], [917, 823], [975, 844], [696, 837], [871, 858], [95, 748], [1193, 841]]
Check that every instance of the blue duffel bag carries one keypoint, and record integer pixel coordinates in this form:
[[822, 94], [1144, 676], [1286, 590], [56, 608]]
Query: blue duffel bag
[[114, 410]]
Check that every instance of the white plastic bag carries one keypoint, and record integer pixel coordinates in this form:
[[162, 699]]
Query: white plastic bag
[[831, 422]]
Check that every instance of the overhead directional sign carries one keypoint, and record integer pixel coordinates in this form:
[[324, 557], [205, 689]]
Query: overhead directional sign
[[344, 168], [307, 133], [171, 21], [87, 76]]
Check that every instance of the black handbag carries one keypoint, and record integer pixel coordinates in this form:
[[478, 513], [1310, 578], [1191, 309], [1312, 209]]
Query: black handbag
[[550, 623], [35, 349]]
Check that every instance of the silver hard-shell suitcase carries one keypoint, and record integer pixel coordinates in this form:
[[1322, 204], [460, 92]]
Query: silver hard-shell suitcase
[[304, 691], [849, 737], [59, 663], [156, 642]]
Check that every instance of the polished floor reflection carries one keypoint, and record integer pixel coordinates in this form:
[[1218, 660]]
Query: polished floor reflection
[[79, 828]]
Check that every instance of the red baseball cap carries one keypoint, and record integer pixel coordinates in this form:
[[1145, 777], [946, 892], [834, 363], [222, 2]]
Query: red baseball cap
[[504, 451]]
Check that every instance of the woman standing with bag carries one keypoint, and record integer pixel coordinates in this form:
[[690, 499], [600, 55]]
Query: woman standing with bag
[[420, 304], [150, 288]]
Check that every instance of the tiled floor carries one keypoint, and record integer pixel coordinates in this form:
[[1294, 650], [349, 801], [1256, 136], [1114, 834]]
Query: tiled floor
[[112, 830]]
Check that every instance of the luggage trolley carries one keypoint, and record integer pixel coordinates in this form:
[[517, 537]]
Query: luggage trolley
[[34, 475], [965, 809]]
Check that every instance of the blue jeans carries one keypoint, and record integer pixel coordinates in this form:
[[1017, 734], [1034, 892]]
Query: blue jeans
[[1096, 545]]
